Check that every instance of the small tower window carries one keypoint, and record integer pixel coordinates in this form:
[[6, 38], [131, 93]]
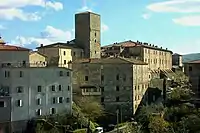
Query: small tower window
[[95, 40], [95, 34]]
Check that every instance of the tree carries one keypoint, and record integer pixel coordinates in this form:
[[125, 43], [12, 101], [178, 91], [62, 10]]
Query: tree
[[90, 107], [158, 125]]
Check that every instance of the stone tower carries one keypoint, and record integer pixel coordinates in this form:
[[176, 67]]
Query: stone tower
[[88, 33]]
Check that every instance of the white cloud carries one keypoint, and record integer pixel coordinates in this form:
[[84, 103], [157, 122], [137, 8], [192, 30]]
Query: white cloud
[[11, 9], [85, 8], [48, 36], [146, 16], [104, 27], [179, 6], [2, 27], [188, 20], [12, 13], [7, 4]]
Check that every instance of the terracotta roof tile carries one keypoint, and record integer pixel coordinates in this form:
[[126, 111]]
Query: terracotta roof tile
[[194, 62], [111, 60], [12, 48]]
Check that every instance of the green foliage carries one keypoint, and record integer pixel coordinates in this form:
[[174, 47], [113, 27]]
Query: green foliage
[[158, 125], [90, 108]]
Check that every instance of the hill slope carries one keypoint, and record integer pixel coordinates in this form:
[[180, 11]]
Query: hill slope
[[190, 57]]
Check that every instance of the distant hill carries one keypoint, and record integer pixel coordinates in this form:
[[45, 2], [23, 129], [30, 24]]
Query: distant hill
[[190, 57]]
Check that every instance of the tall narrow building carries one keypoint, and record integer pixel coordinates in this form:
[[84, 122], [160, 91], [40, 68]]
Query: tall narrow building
[[88, 33]]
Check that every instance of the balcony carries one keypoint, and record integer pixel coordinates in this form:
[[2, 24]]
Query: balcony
[[90, 90]]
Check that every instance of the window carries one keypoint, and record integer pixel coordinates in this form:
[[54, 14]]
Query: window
[[95, 52], [52, 111], [74, 53], [38, 112], [19, 103], [61, 73], [68, 88], [117, 88], [7, 74], [54, 100], [102, 89], [60, 87], [65, 62], [67, 100], [20, 89], [2, 104], [102, 99], [95, 40], [67, 73], [39, 88], [20, 74], [86, 78], [95, 34], [190, 68], [117, 99], [117, 77], [39, 101], [102, 78], [53, 88], [60, 100], [64, 53]]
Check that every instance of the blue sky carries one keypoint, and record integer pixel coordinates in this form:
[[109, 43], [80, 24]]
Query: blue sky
[[174, 24]]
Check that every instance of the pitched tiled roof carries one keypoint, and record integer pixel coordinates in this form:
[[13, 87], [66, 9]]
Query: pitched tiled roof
[[136, 44], [70, 44], [12, 48], [111, 60]]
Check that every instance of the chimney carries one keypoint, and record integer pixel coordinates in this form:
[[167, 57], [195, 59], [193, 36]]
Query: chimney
[[67, 42], [149, 44], [161, 47], [41, 45], [166, 48]]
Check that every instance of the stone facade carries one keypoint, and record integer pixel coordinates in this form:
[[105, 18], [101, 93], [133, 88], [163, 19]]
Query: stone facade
[[35, 92], [59, 54], [37, 59], [192, 70], [118, 83], [157, 58], [88, 33], [177, 60]]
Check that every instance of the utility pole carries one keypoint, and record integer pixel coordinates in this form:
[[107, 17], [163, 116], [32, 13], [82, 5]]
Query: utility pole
[[117, 121]]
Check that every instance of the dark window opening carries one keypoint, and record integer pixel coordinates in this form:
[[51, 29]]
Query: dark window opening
[[20, 74], [117, 77], [102, 78], [67, 73], [86, 78], [190, 68], [117, 99], [54, 100], [102, 89], [102, 99], [117, 88], [65, 62], [61, 73], [64, 53], [53, 88], [2, 104], [60, 87], [39, 88]]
